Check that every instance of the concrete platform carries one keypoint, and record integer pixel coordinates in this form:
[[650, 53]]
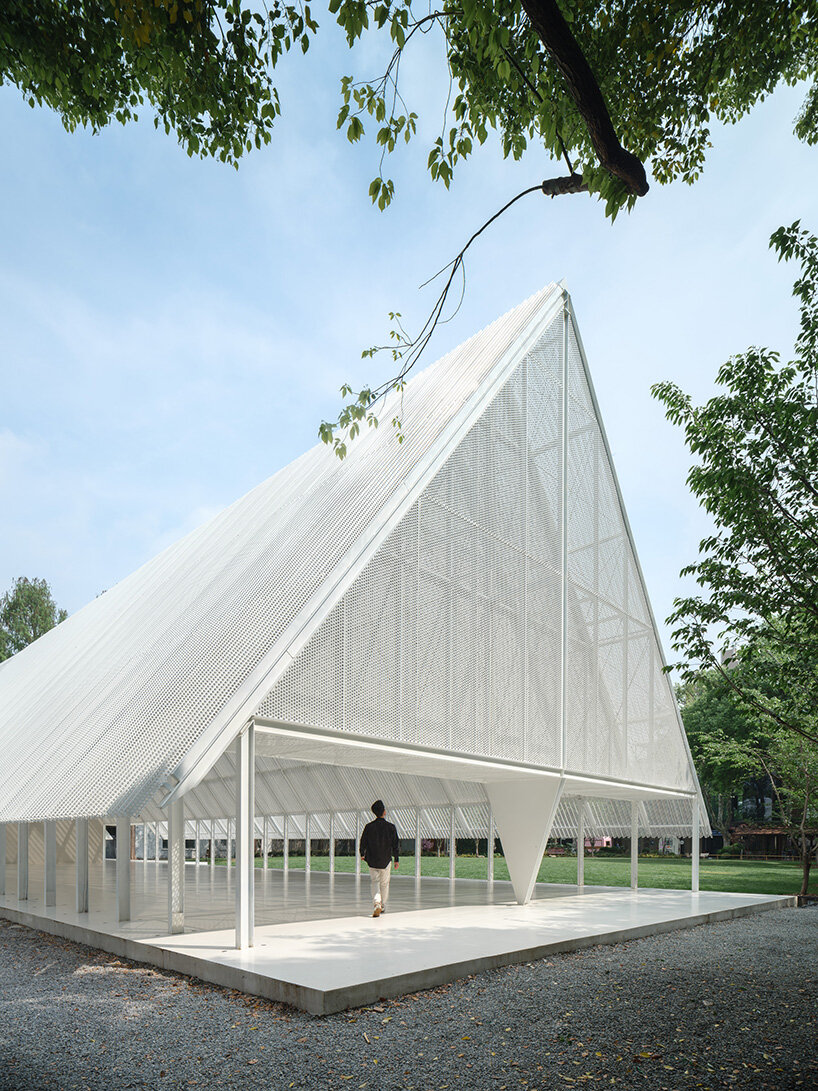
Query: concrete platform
[[317, 947]]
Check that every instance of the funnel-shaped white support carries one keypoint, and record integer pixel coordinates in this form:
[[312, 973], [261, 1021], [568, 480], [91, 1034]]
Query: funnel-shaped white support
[[524, 812]]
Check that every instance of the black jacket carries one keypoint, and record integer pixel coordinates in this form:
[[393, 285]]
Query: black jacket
[[379, 843]]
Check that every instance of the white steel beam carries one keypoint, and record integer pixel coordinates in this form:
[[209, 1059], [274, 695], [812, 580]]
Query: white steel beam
[[50, 862], [581, 848], [123, 869], [245, 814], [22, 861], [176, 867], [81, 841], [634, 845]]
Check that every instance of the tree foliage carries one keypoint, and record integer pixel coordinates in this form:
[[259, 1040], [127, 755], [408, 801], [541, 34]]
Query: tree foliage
[[26, 612], [733, 744], [608, 86], [757, 476]]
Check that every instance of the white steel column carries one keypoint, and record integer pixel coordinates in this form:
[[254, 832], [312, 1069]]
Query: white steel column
[[245, 821], [418, 844], [81, 837], [357, 845], [452, 843], [229, 849], [212, 843], [2, 858], [196, 841], [492, 836], [265, 851], [332, 844], [144, 842], [286, 844], [694, 849], [581, 848], [123, 869], [50, 862], [22, 861], [634, 845], [176, 867], [307, 837], [563, 547], [156, 842]]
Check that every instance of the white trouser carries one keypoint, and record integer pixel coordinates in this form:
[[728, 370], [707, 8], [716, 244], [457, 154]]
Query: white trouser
[[379, 880]]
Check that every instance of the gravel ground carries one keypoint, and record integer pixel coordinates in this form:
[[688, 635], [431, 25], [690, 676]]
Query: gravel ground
[[724, 1005]]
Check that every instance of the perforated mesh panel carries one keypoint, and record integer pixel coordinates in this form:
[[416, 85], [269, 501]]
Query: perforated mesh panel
[[452, 635]]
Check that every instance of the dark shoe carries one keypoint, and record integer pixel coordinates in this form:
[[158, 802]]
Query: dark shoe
[[377, 911]]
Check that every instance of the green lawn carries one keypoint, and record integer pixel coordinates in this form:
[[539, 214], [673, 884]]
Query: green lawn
[[741, 876]]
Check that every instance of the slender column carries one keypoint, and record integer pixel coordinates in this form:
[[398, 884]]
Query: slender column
[[123, 869], [196, 841], [2, 859], [634, 845], [229, 849], [357, 845], [564, 543], [245, 821], [694, 848], [332, 844], [212, 843], [286, 844], [265, 850], [144, 842], [81, 837], [50, 861], [156, 842], [22, 861], [307, 833], [418, 844], [490, 848], [581, 848], [176, 867], [452, 843]]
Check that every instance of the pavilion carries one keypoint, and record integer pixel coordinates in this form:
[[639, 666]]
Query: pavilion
[[457, 623]]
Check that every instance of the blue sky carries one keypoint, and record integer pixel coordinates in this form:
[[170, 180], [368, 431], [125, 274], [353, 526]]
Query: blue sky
[[172, 331]]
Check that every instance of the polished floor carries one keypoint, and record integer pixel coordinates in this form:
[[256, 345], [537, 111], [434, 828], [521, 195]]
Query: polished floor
[[317, 946]]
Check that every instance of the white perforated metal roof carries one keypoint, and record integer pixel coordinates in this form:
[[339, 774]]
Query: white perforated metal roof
[[146, 684]]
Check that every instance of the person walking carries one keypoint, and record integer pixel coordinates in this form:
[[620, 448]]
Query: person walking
[[379, 845]]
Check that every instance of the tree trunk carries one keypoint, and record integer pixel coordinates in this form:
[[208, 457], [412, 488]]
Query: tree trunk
[[555, 34]]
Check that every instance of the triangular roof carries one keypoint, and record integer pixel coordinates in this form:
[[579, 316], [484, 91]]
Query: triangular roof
[[147, 683]]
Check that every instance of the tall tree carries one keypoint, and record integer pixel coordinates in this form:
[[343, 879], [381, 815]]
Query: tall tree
[[733, 745], [757, 476], [27, 611]]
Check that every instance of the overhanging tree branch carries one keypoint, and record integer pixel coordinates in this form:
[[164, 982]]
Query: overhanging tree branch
[[555, 34]]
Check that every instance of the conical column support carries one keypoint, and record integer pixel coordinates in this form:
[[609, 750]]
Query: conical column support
[[523, 812]]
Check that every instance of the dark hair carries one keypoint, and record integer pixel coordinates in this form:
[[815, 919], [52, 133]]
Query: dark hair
[[378, 808]]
